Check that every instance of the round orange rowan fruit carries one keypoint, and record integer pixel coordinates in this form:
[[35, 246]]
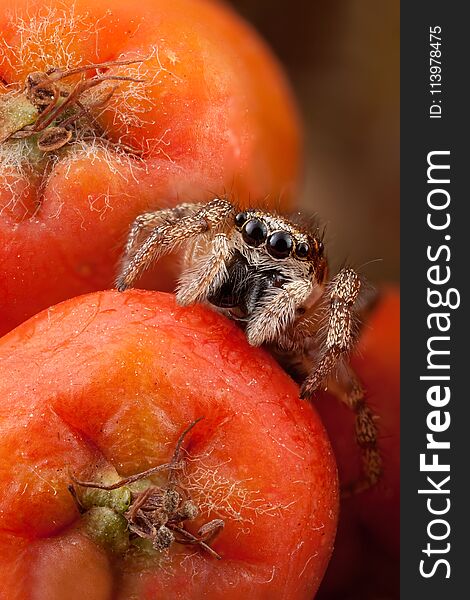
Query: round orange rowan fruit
[[108, 385], [109, 109]]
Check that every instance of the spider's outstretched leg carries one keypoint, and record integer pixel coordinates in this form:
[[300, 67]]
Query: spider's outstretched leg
[[341, 335], [353, 396], [277, 313], [167, 236], [145, 223]]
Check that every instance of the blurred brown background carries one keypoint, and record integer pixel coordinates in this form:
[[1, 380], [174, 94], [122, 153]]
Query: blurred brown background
[[342, 58]]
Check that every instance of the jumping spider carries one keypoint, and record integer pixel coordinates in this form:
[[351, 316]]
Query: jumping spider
[[270, 275]]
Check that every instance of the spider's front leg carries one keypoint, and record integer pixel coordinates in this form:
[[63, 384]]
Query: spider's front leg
[[341, 335], [207, 275], [277, 313], [340, 329], [169, 229]]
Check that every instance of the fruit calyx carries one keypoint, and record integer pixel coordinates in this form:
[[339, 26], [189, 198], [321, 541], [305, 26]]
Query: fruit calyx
[[131, 510], [53, 111]]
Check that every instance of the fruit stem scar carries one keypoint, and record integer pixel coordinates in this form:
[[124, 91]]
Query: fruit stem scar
[[156, 513], [47, 109]]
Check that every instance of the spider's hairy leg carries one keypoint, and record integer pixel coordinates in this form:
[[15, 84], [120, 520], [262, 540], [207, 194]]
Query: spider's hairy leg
[[341, 329], [166, 237], [277, 313], [146, 222], [144, 225], [353, 396], [341, 335], [207, 275]]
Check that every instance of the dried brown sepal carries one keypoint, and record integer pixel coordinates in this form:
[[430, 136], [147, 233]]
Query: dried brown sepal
[[159, 513], [47, 107], [188, 510], [39, 90], [210, 530], [127, 480], [163, 539], [53, 138], [185, 537]]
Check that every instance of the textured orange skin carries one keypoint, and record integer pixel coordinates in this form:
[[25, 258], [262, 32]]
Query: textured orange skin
[[228, 124], [116, 378], [365, 561]]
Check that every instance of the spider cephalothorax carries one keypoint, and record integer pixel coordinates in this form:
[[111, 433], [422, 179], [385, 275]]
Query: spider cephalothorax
[[269, 253], [269, 274]]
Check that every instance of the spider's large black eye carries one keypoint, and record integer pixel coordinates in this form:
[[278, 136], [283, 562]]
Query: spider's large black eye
[[240, 219], [254, 232], [280, 244], [302, 250]]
